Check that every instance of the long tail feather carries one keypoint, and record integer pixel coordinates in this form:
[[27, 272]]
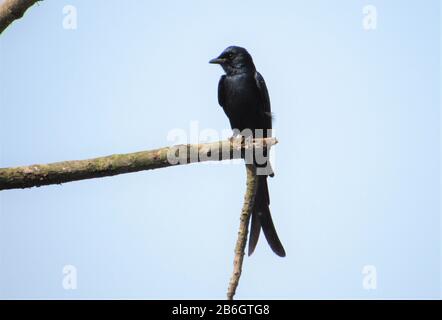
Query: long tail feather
[[261, 218], [255, 228]]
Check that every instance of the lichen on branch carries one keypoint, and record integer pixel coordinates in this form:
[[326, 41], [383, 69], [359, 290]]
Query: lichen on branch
[[67, 171]]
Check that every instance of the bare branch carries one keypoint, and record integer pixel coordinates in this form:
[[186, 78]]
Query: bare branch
[[249, 199], [11, 10], [61, 172]]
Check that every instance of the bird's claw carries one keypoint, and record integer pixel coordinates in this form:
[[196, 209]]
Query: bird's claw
[[236, 138]]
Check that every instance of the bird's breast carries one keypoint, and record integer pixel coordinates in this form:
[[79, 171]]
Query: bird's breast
[[241, 92], [243, 104]]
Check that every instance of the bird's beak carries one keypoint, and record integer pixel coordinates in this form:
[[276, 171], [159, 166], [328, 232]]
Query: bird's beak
[[217, 61]]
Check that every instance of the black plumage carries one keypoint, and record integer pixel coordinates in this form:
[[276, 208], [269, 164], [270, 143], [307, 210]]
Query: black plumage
[[243, 95]]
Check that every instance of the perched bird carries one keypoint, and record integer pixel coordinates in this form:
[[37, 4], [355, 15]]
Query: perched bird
[[243, 95]]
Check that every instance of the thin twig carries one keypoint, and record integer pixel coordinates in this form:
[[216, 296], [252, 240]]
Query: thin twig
[[249, 199]]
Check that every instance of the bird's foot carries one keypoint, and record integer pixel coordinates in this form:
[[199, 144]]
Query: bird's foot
[[236, 138]]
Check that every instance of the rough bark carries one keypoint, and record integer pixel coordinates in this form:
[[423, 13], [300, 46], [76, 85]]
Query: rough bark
[[11, 10], [249, 199], [61, 172]]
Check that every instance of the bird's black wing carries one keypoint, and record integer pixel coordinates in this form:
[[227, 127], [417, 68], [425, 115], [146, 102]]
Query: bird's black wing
[[261, 84], [266, 108], [221, 91]]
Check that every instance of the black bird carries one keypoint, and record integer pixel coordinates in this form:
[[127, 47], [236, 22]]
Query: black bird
[[243, 95]]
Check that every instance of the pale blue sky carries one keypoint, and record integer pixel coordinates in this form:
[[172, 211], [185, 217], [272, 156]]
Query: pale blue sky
[[357, 167]]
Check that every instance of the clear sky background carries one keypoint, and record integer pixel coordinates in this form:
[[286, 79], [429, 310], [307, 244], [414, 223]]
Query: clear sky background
[[357, 167]]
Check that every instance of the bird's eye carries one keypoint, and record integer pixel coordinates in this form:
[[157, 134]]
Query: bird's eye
[[230, 55]]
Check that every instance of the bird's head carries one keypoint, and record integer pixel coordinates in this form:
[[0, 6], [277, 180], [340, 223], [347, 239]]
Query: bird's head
[[235, 60]]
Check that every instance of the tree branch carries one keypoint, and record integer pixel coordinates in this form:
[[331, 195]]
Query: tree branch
[[11, 10], [249, 199], [67, 171]]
